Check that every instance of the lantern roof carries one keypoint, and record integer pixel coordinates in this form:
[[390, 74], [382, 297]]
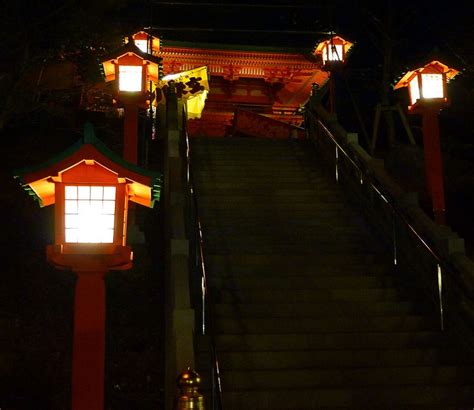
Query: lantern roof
[[433, 66], [127, 48], [40, 180], [335, 40], [142, 33]]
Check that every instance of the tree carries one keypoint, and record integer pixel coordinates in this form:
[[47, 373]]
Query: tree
[[37, 34]]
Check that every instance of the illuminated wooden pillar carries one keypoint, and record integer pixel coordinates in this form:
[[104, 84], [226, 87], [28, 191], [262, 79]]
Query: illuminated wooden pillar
[[89, 342], [332, 93], [434, 164], [130, 133]]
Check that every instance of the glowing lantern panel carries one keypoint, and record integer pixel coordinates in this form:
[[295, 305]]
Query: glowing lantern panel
[[130, 78], [414, 90], [432, 85], [89, 214], [142, 45], [333, 52]]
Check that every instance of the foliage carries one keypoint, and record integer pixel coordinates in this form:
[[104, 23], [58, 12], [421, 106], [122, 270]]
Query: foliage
[[41, 34]]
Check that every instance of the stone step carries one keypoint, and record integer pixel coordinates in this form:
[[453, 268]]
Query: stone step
[[356, 250], [368, 262], [260, 186], [277, 193], [249, 146], [318, 238], [251, 153], [317, 220], [317, 310], [306, 295], [217, 178], [335, 359], [298, 248], [211, 172], [301, 282], [278, 163], [287, 168], [337, 216], [312, 341], [268, 201], [393, 397], [270, 206], [306, 153], [232, 141], [292, 224], [311, 269], [249, 149], [325, 325], [208, 171], [323, 193], [263, 230], [403, 376]]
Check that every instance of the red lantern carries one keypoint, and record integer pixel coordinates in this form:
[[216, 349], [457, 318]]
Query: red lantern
[[427, 85], [134, 71], [146, 42], [333, 51], [91, 188], [428, 96]]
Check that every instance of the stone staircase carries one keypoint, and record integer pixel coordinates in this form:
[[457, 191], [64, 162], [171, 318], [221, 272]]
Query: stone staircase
[[309, 311]]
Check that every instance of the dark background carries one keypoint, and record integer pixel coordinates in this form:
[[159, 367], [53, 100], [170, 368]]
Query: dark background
[[38, 121]]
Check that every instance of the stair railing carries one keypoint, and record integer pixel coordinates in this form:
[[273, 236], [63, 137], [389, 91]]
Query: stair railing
[[198, 259], [415, 240]]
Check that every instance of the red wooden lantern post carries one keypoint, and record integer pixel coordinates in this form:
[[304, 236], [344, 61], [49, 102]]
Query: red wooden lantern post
[[428, 96], [333, 52], [133, 69], [91, 188]]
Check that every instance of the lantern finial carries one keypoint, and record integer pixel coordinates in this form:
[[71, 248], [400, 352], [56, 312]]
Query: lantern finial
[[89, 133]]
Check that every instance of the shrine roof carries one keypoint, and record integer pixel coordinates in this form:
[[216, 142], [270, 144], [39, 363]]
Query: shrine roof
[[235, 47]]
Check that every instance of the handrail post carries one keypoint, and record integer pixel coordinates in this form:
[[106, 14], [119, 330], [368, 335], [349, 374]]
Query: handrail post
[[179, 316], [440, 296], [394, 239], [189, 397]]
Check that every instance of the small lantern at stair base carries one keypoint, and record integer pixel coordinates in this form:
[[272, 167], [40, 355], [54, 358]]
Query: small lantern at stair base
[[91, 188], [134, 70], [428, 96]]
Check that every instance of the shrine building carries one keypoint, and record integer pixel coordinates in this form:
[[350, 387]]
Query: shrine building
[[273, 82]]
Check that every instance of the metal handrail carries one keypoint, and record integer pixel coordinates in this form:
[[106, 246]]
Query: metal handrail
[[207, 316], [442, 265], [385, 196]]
